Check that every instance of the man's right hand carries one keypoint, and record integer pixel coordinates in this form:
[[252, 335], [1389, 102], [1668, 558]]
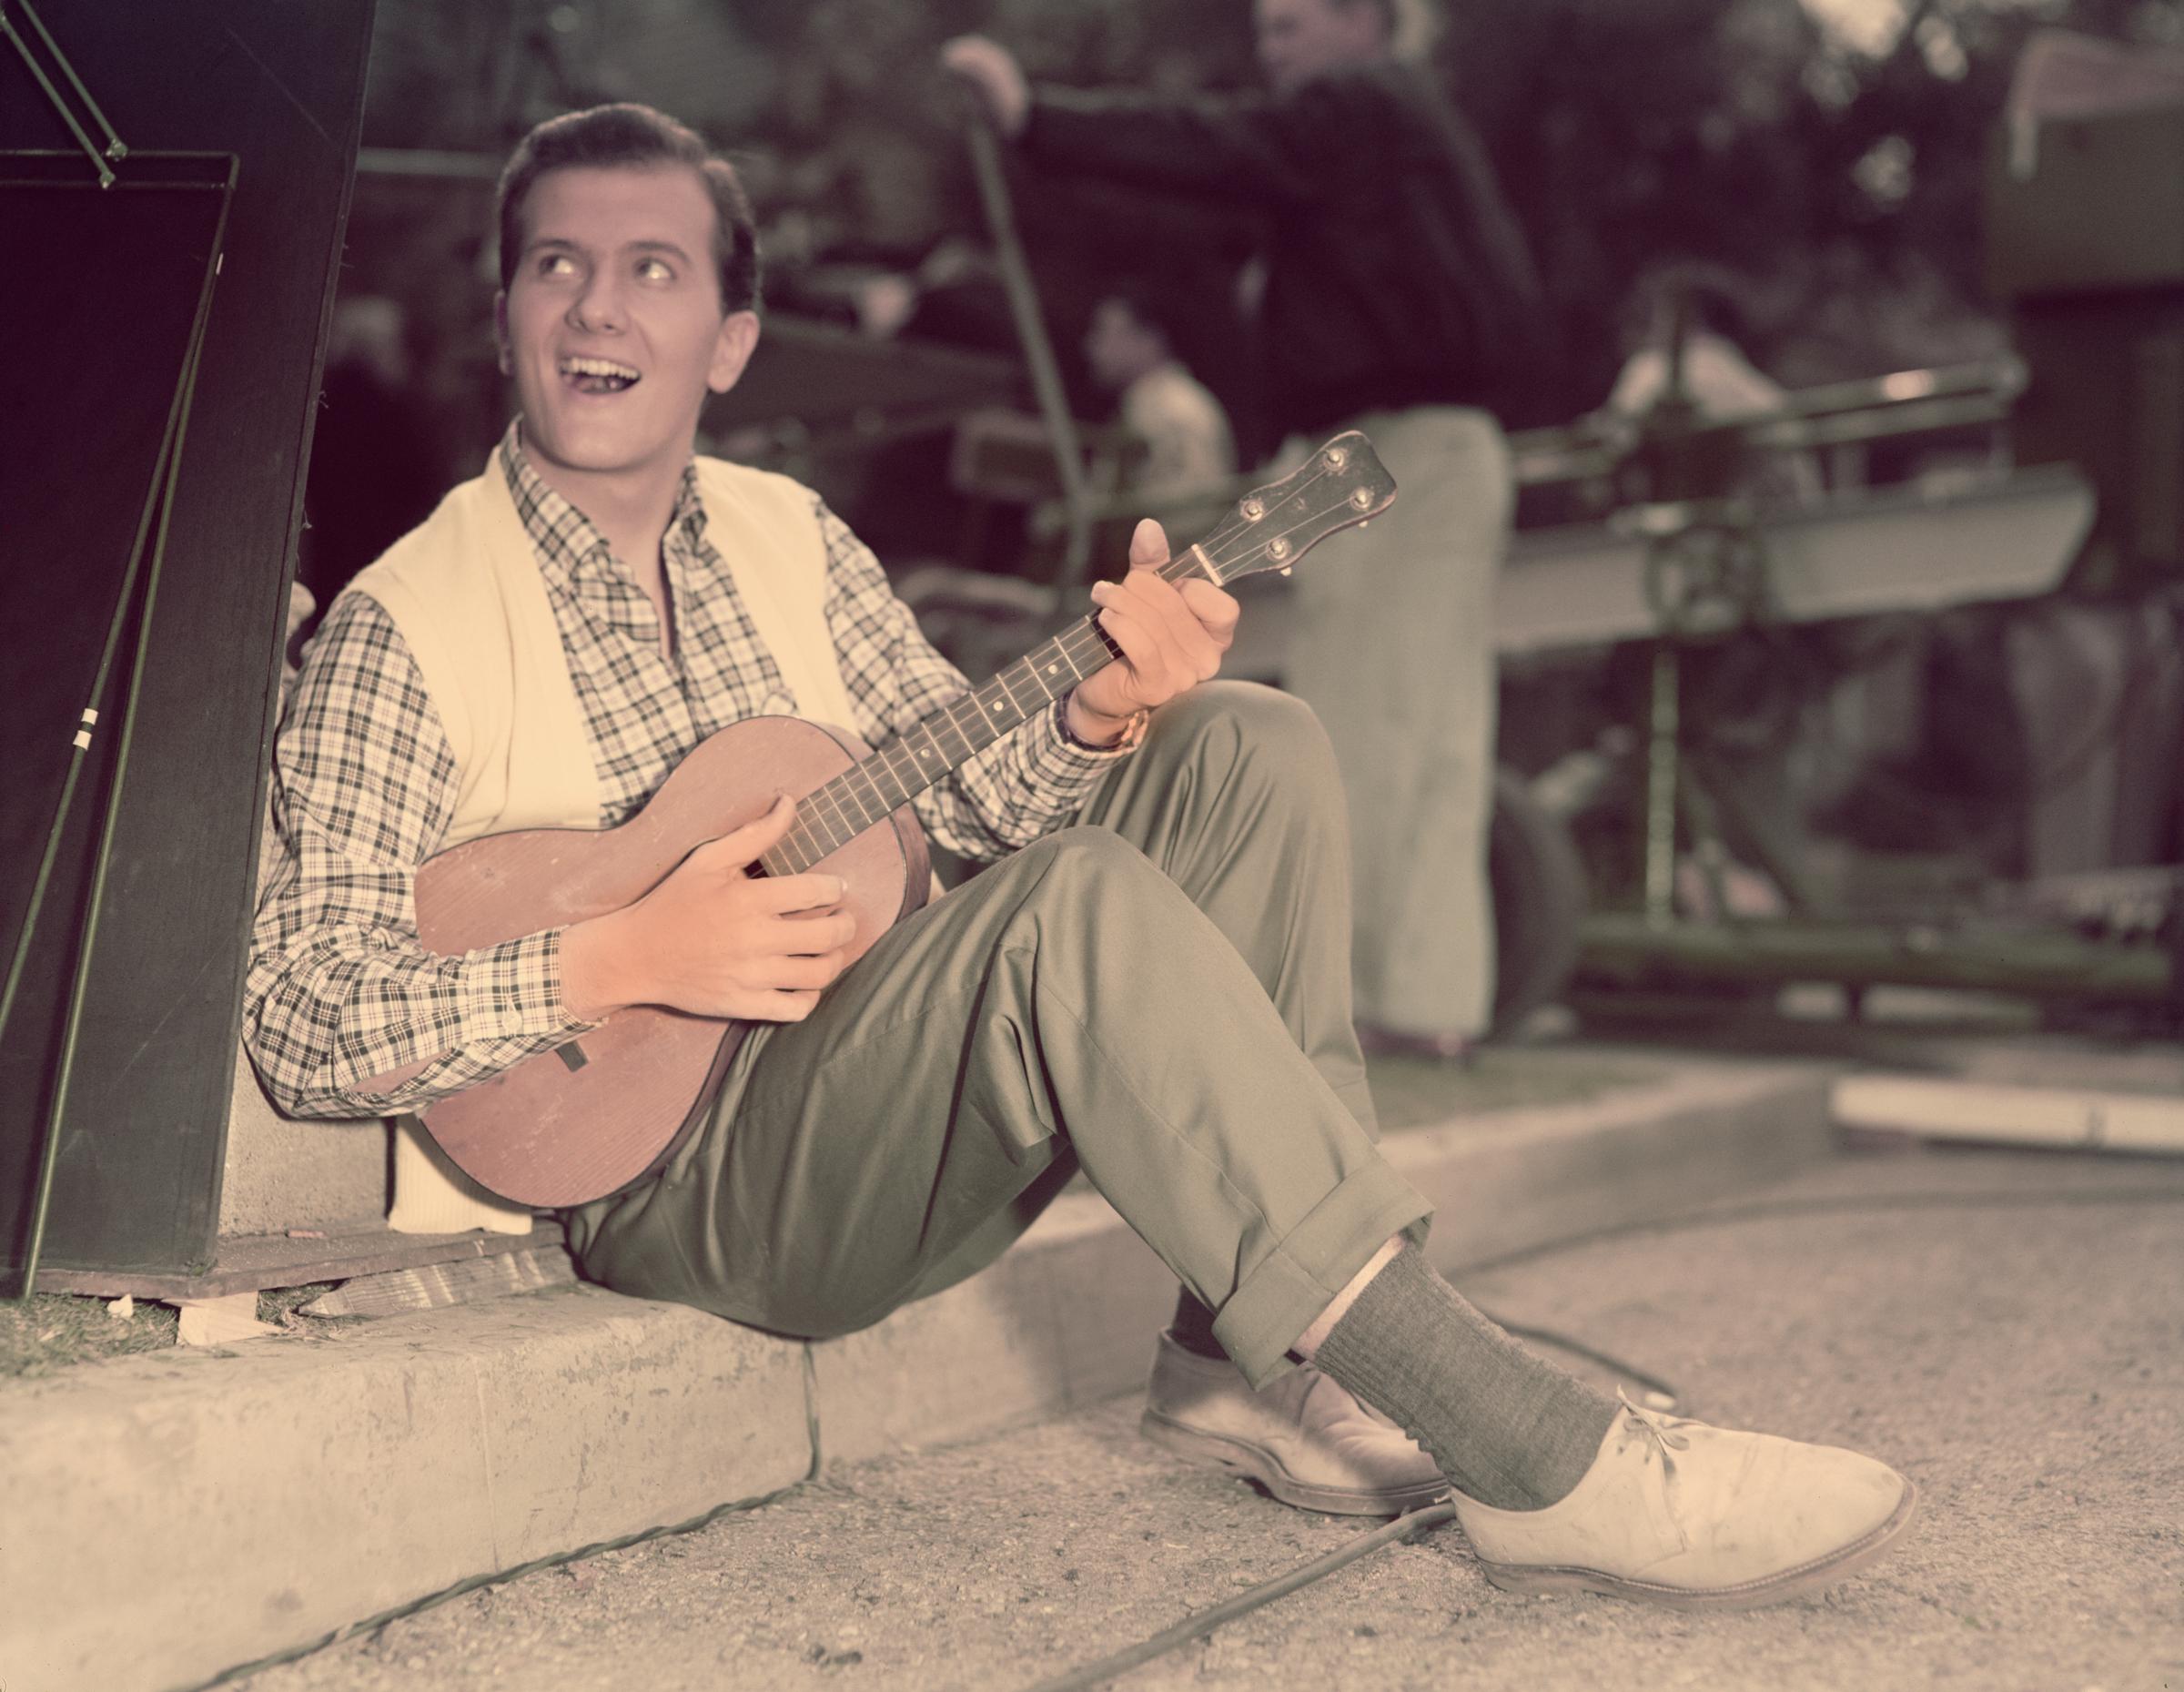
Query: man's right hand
[[993, 73], [712, 940]]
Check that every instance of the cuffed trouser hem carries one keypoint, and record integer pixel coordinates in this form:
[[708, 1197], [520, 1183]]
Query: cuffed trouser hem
[[1294, 1282]]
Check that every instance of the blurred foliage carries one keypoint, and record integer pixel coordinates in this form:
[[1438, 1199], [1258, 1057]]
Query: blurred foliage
[[1840, 171]]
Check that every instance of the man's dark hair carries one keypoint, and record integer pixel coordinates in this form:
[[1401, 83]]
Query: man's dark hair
[[634, 136]]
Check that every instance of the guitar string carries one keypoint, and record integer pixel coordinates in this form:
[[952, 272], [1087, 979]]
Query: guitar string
[[1179, 566], [817, 839]]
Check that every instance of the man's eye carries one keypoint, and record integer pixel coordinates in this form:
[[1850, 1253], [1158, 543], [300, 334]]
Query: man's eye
[[655, 271], [556, 264]]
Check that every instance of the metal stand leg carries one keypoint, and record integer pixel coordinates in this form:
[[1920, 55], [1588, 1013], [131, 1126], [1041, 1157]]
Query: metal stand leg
[[1664, 733]]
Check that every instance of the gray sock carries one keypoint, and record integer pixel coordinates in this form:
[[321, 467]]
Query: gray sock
[[1192, 1327], [1507, 1428]]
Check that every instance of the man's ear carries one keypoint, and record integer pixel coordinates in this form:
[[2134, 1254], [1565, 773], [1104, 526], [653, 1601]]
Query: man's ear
[[731, 349], [501, 331]]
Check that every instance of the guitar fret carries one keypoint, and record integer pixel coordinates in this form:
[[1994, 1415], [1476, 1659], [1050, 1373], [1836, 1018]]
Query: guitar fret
[[962, 727], [801, 838], [1052, 649], [1032, 675], [906, 776], [877, 793], [1037, 680], [894, 789], [831, 826], [850, 796]]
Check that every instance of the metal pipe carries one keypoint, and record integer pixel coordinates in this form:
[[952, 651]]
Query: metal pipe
[[1039, 353], [1660, 756], [1629, 950], [53, 95], [117, 148]]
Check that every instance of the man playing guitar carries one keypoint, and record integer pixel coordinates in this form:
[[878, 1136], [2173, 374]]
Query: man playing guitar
[[1150, 984]]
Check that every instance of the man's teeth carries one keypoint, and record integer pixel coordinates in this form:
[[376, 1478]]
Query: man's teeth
[[605, 369]]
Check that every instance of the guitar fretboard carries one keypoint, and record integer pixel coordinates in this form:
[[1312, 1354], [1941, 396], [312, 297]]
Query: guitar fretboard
[[834, 813], [1342, 484]]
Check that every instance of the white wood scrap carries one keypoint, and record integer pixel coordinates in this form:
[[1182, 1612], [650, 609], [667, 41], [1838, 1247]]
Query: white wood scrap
[[221, 1321]]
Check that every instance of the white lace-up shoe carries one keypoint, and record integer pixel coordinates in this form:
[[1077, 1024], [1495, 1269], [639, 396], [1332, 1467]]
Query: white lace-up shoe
[[1303, 1438], [1692, 1517]]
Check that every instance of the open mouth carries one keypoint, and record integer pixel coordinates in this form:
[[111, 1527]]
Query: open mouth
[[589, 375]]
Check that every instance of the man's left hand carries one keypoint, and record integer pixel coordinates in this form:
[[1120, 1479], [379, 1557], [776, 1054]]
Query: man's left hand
[[1172, 638]]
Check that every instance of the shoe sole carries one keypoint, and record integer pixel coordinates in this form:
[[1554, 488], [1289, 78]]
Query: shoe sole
[[1792, 1582], [1216, 1452]]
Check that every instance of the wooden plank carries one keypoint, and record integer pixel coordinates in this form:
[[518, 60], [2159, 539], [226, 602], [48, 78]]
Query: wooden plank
[[437, 1285], [256, 1262]]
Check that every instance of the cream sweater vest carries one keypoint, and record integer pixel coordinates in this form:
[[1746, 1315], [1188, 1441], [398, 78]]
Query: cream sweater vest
[[465, 592]]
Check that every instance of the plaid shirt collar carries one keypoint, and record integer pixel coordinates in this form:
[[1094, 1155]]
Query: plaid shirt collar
[[563, 537]]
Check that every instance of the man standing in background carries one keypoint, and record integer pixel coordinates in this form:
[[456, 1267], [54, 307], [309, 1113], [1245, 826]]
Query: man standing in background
[[1398, 298]]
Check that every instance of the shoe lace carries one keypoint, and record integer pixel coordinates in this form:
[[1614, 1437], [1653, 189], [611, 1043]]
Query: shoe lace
[[1660, 1436]]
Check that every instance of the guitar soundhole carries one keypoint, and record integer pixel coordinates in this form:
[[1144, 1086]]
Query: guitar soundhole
[[572, 1055]]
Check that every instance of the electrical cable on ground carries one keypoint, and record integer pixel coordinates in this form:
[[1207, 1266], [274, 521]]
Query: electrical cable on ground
[[1404, 1527]]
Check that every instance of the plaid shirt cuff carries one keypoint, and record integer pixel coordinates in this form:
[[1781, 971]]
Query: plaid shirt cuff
[[513, 990], [1133, 732], [1064, 766]]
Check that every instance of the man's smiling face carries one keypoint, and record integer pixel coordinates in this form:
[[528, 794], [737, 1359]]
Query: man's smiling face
[[613, 323]]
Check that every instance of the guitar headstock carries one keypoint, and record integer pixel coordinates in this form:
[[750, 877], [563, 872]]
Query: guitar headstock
[[1270, 528]]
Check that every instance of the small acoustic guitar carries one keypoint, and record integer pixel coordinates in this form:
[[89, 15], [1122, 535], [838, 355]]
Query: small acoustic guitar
[[601, 1112]]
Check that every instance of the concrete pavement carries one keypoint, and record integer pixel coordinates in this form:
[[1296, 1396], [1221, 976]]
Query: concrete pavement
[[2004, 1327], [173, 1514]]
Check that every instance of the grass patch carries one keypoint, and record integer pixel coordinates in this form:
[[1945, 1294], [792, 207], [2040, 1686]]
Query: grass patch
[[57, 1330]]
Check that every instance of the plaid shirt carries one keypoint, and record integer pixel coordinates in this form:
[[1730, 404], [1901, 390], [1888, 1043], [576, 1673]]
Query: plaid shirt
[[344, 1011]]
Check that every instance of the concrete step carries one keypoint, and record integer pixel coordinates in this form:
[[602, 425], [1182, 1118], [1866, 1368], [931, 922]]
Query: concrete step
[[170, 1515]]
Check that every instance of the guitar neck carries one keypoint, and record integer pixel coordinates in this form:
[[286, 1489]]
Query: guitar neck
[[1270, 528], [834, 814]]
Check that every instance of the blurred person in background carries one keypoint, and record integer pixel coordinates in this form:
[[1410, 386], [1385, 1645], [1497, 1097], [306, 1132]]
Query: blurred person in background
[[1158, 401], [1398, 298], [1686, 335], [1147, 985]]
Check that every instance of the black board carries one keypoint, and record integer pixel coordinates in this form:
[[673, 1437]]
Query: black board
[[84, 476], [278, 86]]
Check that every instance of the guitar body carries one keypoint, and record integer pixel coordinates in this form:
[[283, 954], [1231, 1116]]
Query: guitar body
[[597, 1115]]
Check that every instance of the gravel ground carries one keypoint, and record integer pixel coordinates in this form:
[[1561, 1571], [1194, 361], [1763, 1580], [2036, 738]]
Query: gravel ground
[[2006, 1328]]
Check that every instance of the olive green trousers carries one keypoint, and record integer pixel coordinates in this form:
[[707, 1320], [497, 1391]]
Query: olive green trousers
[[1158, 995]]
